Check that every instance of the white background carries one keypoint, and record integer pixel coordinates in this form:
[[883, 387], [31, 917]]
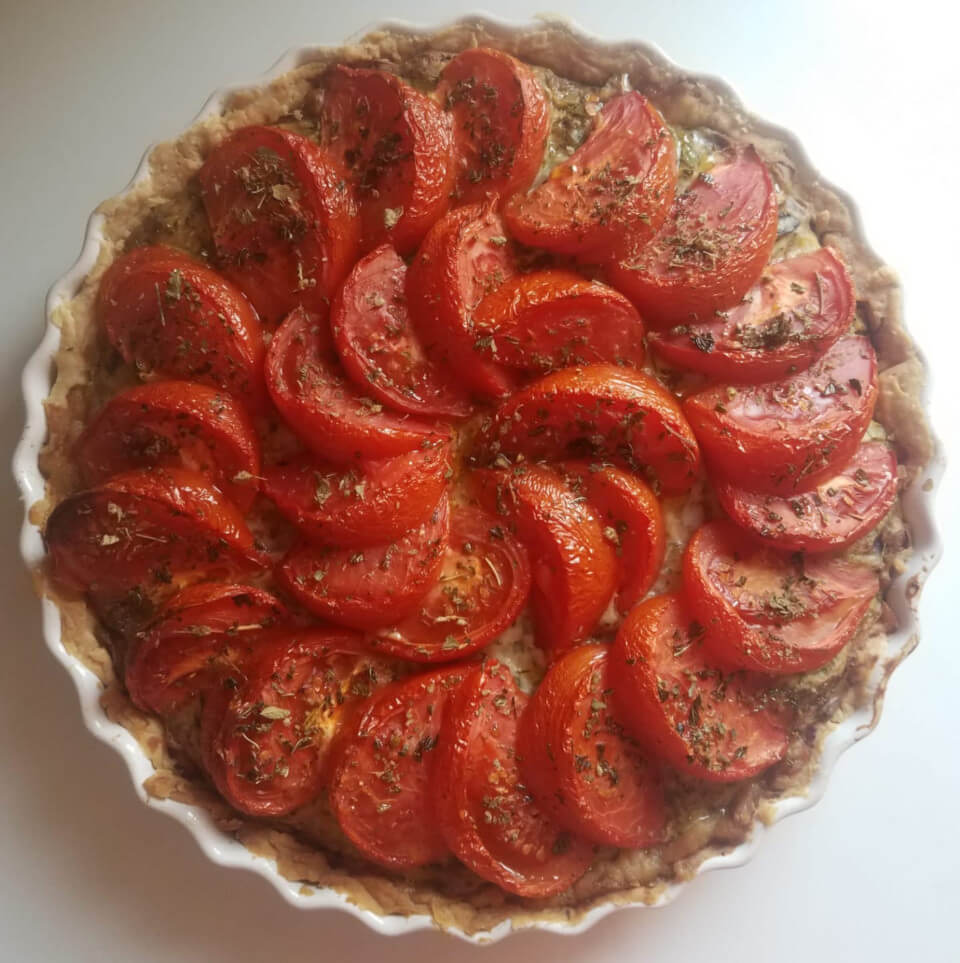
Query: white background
[[87, 873]]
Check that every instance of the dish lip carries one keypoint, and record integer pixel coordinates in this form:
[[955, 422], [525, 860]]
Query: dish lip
[[37, 380]]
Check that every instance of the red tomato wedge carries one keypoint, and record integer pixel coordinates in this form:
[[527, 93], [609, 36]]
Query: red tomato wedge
[[632, 522], [484, 810], [483, 585], [328, 413], [370, 587], [170, 315], [380, 789], [794, 313], [581, 767], [174, 423], [769, 611], [618, 183], [501, 119], [378, 346], [573, 564], [465, 256], [283, 218], [370, 503], [396, 144], [603, 413], [195, 635], [833, 515], [553, 319], [682, 706], [709, 251], [788, 436]]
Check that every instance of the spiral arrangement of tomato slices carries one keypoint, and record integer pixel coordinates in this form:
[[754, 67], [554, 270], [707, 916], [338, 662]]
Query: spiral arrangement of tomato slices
[[371, 438]]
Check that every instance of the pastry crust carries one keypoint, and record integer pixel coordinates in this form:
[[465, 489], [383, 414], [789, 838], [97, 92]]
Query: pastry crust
[[164, 205]]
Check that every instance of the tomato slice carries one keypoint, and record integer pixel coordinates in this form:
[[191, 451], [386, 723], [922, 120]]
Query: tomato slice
[[501, 119], [379, 348], [283, 218], [198, 632], [331, 416], [380, 781], [709, 251], [485, 811], [682, 706], [168, 314], [833, 515], [374, 586], [396, 144], [619, 182], [788, 436], [573, 565], [483, 585], [178, 423], [465, 256], [603, 413], [797, 310], [769, 611], [552, 319], [581, 767], [632, 522]]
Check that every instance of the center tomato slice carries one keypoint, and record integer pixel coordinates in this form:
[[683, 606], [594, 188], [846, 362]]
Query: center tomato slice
[[484, 810]]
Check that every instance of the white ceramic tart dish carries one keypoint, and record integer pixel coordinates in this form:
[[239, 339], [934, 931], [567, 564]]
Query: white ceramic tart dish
[[303, 874]]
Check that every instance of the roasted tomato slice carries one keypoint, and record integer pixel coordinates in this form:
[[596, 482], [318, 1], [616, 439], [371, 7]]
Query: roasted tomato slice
[[379, 348], [484, 810], [581, 767], [483, 585], [632, 522], [770, 611], [283, 219], [501, 119], [168, 314], [618, 183], [368, 504], [573, 563], [397, 146], [465, 256], [796, 311], [178, 423], [370, 587], [682, 706], [788, 436], [380, 770], [709, 251], [552, 319], [833, 515], [331, 416], [603, 413], [197, 633]]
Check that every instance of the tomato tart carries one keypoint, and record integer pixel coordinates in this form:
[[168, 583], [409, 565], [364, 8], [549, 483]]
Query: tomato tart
[[475, 468]]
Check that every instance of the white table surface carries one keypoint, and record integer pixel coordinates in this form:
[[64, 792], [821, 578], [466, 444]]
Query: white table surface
[[89, 874]]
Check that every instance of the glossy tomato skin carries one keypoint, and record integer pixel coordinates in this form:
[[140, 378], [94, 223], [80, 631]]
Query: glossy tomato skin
[[787, 436], [483, 585], [283, 219], [796, 311], [501, 119], [485, 813], [396, 145], [840, 510], [168, 314], [580, 765], [619, 182], [709, 251], [683, 706], [378, 346], [380, 771]]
